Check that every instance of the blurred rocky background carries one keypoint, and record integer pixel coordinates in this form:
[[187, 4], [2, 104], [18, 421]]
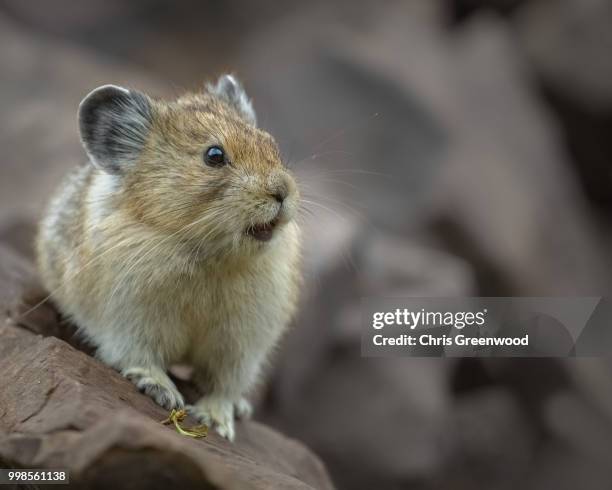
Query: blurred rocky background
[[445, 147]]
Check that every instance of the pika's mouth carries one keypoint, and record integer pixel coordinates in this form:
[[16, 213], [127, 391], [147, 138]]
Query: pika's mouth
[[263, 231]]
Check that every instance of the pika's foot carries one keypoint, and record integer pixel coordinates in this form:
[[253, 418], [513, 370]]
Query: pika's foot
[[155, 383], [217, 413], [243, 409]]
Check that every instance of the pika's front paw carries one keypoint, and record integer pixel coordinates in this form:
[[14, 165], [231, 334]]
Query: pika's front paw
[[243, 409], [217, 413], [155, 383]]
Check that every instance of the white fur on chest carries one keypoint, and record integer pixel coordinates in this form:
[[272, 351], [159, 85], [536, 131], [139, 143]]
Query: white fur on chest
[[203, 315], [247, 311]]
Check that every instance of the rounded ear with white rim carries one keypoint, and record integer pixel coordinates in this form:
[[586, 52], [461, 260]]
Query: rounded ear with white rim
[[114, 123], [230, 90]]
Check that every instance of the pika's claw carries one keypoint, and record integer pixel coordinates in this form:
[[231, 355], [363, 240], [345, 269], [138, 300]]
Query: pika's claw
[[243, 409], [155, 383], [217, 413]]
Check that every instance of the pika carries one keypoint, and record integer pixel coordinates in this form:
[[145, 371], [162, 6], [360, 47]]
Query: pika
[[177, 243]]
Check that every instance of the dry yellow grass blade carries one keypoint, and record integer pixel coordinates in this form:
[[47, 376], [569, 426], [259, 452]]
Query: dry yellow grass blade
[[177, 417]]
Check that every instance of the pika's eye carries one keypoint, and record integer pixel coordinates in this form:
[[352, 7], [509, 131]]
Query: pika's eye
[[215, 156]]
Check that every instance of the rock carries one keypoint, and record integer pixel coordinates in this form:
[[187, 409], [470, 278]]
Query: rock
[[39, 98], [507, 221], [61, 408], [568, 48], [568, 45], [492, 436]]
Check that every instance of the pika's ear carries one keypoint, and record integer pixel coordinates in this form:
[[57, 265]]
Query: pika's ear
[[230, 91], [114, 123]]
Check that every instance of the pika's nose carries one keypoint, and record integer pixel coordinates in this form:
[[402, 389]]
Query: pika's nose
[[280, 194]]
